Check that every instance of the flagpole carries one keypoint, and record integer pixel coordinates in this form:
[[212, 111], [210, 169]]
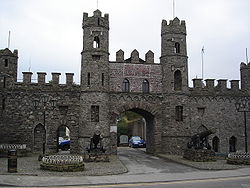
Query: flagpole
[[246, 56], [202, 62], [9, 41]]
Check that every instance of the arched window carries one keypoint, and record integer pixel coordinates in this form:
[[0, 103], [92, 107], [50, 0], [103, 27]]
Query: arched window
[[177, 48], [216, 143], [145, 86], [96, 43], [177, 81], [125, 85], [232, 144]]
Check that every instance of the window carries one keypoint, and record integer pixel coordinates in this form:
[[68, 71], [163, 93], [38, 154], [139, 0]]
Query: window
[[177, 48], [95, 113], [88, 79], [4, 82], [125, 85], [96, 57], [102, 79], [145, 86], [179, 113], [232, 144], [6, 62], [98, 21], [215, 143], [96, 43], [3, 104], [177, 81]]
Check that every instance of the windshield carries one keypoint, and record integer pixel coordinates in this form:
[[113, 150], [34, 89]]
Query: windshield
[[136, 138]]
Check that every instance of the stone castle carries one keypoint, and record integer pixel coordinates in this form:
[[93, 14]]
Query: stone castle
[[33, 113]]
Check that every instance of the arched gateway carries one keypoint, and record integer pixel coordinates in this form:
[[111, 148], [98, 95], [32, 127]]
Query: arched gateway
[[153, 119]]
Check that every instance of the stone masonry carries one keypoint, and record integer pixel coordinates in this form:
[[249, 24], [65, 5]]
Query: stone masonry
[[32, 113]]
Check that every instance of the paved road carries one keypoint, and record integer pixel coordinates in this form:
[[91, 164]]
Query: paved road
[[145, 171], [138, 162]]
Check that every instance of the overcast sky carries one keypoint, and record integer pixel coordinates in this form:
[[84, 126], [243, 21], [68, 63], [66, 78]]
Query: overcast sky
[[48, 33]]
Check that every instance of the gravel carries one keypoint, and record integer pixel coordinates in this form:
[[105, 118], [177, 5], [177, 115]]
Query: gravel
[[31, 166]]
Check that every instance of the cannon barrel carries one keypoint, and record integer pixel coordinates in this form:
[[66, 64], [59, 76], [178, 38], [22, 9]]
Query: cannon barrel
[[206, 133]]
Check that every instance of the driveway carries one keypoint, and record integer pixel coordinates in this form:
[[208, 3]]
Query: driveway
[[138, 162]]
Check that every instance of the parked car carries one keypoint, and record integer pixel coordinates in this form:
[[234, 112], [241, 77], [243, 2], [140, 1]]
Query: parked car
[[64, 145], [136, 141]]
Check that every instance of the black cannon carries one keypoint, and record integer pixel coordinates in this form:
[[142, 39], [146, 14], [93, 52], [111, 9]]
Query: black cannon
[[199, 141], [96, 143]]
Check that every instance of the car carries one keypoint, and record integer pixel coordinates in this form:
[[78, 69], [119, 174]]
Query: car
[[64, 145], [136, 141]]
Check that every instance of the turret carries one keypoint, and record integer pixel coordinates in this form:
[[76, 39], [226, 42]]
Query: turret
[[95, 53], [174, 56], [245, 76], [94, 115], [8, 67]]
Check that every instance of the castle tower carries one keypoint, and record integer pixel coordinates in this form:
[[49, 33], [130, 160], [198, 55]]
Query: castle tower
[[174, 56], [94, 78], [8, 67], [245, 76]]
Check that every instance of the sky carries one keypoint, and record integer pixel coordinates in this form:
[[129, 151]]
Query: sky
[[48, 33]]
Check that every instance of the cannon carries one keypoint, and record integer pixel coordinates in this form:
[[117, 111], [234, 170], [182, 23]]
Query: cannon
[[96, 143], [199, 141]]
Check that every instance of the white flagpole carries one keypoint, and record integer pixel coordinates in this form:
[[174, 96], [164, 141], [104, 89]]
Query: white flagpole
[[9, 41], [97, 3], [246, 56], [202, 62]]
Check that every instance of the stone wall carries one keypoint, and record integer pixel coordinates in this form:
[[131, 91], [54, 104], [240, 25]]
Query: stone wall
[[135, 73]]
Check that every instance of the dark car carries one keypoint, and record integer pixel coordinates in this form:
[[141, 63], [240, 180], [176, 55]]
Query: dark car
[[64, 145], [136, 141]]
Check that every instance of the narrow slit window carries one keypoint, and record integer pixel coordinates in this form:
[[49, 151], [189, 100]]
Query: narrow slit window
[[177, 48], [6, 62], [4, 82], [177, 81], [98, 21], [102, 79], [88, 80], [3, 104]]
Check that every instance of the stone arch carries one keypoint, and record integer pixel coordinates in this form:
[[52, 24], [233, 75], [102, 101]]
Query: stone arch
[[216, 144], [153, 123], [39, 138], [232, 144], [177, 80]]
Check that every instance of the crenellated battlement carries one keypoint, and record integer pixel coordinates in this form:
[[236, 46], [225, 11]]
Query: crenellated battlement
[[175, 26], [134, 57], [96, 20], [41, 78], [209, 85]]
